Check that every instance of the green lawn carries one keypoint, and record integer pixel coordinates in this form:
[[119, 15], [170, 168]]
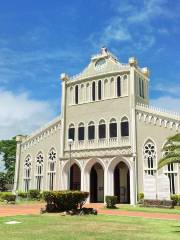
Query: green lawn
[[127, 207], [52, 227]]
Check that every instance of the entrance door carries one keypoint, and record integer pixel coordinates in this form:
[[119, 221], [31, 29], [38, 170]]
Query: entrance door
[[75, 177], [122, 183], [93, 185], [97, 183]]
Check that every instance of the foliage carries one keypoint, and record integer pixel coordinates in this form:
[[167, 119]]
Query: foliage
[[3, 181], [140, 196], [8, 149], [176, 199], [22, 194], [111, 201], [172, 150], [64, 200], [7, 196], [34, 194]]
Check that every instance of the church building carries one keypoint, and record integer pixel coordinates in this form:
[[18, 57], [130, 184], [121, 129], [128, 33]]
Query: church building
[[107, 138]]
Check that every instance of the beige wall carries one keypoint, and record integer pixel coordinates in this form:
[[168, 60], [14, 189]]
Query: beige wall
[[44, 142], [150, 130]]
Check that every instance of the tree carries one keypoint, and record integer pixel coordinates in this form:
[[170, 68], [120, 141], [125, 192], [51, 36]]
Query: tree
[[171, 150], [3, 181], [8, 149]]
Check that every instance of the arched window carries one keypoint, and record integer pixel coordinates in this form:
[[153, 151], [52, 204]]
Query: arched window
[[113, 128], [39, 170], [27, 173], [142, 82], [171, 171], [125, 85], [149, 152], [82, 93], [140, 91], [76, 94], [71, 97], [124, 127], [51, 168], [87, 92], [99, 90], [106, 88], [118, 86], [93, 91], [81, 132], [91, 131], [102, 129], [112, 87], [71, 132]]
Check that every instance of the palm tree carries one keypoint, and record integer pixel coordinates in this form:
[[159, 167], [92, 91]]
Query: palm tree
[[172, 150]]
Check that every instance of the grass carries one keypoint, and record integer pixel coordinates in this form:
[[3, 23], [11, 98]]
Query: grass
[[99, 227], [127, 207]]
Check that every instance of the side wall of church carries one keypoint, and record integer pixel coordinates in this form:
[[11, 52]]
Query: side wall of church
[[43, 143], [154, 129]]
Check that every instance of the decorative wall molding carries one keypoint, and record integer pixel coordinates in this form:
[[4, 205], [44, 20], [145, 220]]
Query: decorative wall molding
[[158, 111], [41, 134], [152, 116], [103, 153]]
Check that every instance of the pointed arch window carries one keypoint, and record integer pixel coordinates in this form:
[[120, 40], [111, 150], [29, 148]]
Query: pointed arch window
[[171, 171], [51, 168], [39, 170], [27, 173], [93, 91], [81, 132], [150, 158], [76, 94], [71, 132], [91, 131], [113, 128], [102, 129], [124, 127], [118, 86]]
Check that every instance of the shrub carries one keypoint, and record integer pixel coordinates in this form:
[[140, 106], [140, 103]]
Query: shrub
[[158, 203], [140, 196], [111, 201], [8, 196], [34, 194], [22, 194], [176, 199], [64, 200]]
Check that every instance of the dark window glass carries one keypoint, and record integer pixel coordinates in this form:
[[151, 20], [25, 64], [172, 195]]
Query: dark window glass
[[142, 89], [81, 133], [99, 90], [124, 129], [76, 94], [71, 133], [91, 132], [118, 86], [102, 131], [139, 87], [113, 130], [93, 91]]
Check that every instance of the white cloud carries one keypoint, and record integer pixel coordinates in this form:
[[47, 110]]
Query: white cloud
[[20, 115], [167, 102], [116, 31], [133, 23], [167, 88]]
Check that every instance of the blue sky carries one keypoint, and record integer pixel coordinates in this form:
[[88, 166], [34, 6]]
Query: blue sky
[[40, 39]]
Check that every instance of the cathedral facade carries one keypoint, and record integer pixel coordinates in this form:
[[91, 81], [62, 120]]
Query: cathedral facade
[[107, 138]]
